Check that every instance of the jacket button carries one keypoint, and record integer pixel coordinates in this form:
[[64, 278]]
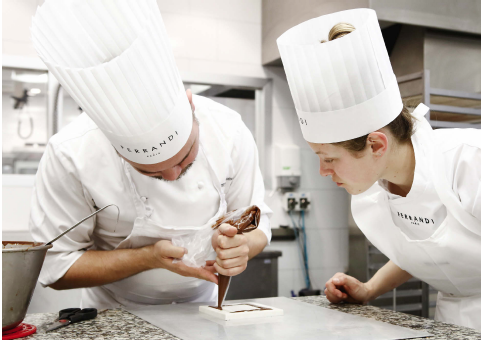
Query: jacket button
[[143, 199], [200, 185]]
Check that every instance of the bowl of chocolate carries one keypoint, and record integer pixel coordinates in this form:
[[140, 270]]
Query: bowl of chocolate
[[21, 265]]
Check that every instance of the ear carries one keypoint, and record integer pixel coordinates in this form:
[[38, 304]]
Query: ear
[[377, 143], [189, 97]]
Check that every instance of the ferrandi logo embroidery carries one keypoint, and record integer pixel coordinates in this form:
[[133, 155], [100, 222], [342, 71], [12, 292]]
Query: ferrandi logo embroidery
[[151, 150], [416, 219]]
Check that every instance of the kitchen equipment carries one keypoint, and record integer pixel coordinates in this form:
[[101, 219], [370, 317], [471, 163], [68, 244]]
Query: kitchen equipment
[[20, 331], [259, 280], [21, 265], [300, 321], [72, 315], [245, 220], [86, 218]]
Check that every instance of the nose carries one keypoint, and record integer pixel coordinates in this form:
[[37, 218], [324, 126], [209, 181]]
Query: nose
[[172, 173], [325, 171]]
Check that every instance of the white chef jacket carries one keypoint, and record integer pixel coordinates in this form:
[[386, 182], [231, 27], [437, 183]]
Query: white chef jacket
[[81, 171], [421, 212], [464, 169], [449, 259]]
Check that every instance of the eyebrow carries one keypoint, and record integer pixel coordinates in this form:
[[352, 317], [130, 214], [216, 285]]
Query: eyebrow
[[320, 153], [155, 172]]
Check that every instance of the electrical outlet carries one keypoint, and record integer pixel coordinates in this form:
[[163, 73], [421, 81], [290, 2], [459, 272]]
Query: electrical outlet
[[304, 199], [290, 201]]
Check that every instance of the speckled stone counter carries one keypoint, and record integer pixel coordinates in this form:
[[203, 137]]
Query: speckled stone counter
[[440, 330], [111, 324], [119, 324]]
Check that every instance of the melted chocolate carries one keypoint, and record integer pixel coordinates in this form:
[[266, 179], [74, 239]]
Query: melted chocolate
[[223, 285], [247, 222], [21, 243], [244, 311]]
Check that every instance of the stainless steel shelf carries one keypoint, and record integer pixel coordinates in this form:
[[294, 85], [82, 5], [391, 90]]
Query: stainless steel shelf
[[449, 108], [406, 308], [402, 293]]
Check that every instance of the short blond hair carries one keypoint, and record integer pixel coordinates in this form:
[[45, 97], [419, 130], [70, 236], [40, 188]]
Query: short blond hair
[[402, 127]]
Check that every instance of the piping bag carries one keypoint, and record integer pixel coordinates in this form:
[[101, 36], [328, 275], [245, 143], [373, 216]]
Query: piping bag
[[245, 220]]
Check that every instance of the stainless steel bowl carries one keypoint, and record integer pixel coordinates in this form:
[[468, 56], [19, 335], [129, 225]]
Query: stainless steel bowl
[[21, 265]]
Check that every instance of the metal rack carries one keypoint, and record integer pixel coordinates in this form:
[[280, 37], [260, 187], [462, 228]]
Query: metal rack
[[449, 108], [413, 297]]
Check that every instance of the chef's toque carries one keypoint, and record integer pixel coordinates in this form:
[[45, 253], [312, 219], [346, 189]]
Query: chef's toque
[[114, 58], [344, 88]]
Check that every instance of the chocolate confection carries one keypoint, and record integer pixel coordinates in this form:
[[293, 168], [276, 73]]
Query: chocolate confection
[[244, 311], [248, 221]]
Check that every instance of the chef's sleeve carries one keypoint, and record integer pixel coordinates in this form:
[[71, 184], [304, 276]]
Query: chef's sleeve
[[468, 179], [58, 202], [247, 187]]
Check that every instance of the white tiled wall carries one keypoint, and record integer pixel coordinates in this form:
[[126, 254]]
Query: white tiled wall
[[215, 36], [16, 206], [16, 22], [207, 36]]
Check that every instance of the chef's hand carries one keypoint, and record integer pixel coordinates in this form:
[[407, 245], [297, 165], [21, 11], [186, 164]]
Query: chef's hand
[[232, 250], [342, 287], [165, 252]]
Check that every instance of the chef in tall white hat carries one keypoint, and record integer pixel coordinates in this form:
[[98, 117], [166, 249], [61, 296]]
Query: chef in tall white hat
[[416, 192], [132, 147]]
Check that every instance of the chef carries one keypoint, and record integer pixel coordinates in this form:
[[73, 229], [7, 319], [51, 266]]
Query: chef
[[416, 192], [173, 163]]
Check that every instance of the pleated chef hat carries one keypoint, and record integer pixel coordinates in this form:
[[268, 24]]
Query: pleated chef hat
[[114, 58], [344, 88]]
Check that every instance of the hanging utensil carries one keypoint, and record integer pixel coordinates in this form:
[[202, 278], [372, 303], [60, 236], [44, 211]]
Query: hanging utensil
[[86, 218], [245, 220], [21, 265]]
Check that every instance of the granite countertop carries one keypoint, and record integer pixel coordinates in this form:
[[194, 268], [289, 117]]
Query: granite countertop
[[440, 330], [119, 324]]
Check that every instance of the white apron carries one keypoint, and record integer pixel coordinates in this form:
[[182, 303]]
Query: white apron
[[161, 286], [449, 260]]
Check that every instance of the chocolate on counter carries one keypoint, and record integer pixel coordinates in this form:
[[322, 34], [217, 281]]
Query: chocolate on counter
[[248, 221], [244, 311]]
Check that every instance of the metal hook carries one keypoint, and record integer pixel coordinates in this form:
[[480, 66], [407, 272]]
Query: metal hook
[[86, 218]]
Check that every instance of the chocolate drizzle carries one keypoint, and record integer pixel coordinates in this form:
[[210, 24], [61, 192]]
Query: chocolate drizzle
[[244, 311], [224, 282], [248, 221]]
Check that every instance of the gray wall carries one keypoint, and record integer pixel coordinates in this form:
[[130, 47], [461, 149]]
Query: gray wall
[[280, 15], [454, 60], [455, 15]]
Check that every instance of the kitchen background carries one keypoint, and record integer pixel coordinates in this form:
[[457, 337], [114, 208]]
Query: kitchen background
[[225, 49]]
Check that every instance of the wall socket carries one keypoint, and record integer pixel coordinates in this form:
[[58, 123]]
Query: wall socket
[[296, 201], [304, 201], [290, 201]]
